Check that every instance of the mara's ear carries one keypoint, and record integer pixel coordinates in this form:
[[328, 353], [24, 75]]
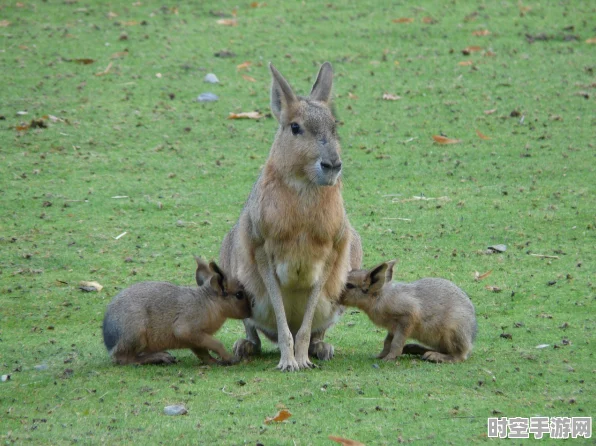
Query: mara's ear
[[321, 90], [389, 272], [376, 277], [218, 279], [203, 273], [282, 96]]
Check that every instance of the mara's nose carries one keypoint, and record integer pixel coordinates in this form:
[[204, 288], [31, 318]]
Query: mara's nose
[[328, 165]]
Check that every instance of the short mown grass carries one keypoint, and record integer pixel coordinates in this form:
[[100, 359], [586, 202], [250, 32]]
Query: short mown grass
[[184, 170]]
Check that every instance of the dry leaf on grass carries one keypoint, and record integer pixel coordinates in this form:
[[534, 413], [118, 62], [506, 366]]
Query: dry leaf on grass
[[86, 286], [119, 54], [245, 115], [471, 49], [403, 20], [490, 112], [494, 289], [257, 4], [391, 97], [248, 78], [481, 32], [4, 23], [444, 140], [243, 66], [352, 95], [84, 61], [478, 277], [228, 22], [482, 135], [591, 40], [282, 415], [466, 63], [345, 441], [429, 20]]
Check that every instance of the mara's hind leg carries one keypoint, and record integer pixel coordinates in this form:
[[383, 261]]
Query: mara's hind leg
[[432, 356], [415, 349], [251, 345], [320, 349], [124, 358], [454, 347]]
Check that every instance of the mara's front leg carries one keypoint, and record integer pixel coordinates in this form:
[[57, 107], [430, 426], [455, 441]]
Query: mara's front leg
[[303, 335], [285, 341]]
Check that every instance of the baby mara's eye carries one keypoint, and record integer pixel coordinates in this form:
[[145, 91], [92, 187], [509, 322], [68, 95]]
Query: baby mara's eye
[[240, 295], [350, 286], [296, 129]]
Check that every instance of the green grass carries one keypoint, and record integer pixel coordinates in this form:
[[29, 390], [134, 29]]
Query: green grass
[[186, 171]]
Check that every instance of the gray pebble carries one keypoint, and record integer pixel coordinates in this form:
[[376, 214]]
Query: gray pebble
[[211, 78], [176, 409], [207, 97], [375, 366]]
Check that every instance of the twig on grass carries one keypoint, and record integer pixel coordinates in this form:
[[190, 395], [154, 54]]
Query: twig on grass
[[544, 256]]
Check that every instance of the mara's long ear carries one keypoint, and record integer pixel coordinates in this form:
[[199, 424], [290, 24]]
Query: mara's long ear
[[321, 90], [282, 96], [389, 272], [203, 273], [218, 279], [376, 277]]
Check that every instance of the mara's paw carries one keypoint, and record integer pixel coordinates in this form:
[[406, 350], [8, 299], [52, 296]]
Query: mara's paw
[[321, 350], [437, 357], [244, 348], [288, 365], [229, 361]]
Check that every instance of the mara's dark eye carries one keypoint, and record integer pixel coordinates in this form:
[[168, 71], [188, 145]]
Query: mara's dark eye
[[296, 130], [240, 295], [350, 286]]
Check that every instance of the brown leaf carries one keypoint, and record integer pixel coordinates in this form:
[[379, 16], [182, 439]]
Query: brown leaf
[[465, 63], [482, 135], [489, 54], [23, 127], [106, 71], [112, 15], [391, 97], [471, 49], [429, 20], [478, 277], [282, 415], [481, 32], [83, 61], [345, 441], [245, 115], [130, 23], [591, 40], [444, 140], [248, 78], [119, 54], [257, 4], [243, 66], [352, 95], [228, 22], [403, 20], [490, 112], [4, 23], [494, 289]]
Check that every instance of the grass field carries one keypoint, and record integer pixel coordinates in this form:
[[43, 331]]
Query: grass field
[[98, 101]]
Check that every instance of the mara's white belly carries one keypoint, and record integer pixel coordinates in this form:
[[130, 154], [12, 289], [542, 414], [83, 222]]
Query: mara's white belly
[[295, 301], [298, 275]]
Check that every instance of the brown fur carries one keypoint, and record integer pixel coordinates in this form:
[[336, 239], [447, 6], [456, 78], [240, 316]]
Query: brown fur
[[147, 318], [433, 311], [293, 245]]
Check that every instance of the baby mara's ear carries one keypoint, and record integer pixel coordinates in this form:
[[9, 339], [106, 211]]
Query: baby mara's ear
[[203, 273], [377, 277], [218, 280]]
